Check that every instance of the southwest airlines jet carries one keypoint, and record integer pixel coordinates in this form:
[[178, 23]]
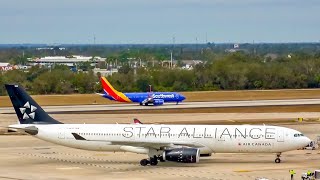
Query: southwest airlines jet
[[160, 142], [143, 98]]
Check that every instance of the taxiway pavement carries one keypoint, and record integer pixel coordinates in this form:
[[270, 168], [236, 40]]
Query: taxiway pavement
[[216, 104], [27, 158]]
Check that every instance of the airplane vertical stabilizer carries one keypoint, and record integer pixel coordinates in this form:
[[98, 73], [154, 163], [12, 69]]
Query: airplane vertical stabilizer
[[108, 88], [27, 110]]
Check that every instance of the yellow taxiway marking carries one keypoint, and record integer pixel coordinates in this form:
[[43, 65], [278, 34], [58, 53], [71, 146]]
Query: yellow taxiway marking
[[242, 171]]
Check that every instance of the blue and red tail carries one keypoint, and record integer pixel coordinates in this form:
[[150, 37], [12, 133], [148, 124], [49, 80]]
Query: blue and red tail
[[116, 95]]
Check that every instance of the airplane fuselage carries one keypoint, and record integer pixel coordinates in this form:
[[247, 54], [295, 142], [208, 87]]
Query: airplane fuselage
[[209, 138], [141, 96]]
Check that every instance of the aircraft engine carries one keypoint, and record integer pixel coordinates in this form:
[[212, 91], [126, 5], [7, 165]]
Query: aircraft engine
[[182, 155], [158, 102]]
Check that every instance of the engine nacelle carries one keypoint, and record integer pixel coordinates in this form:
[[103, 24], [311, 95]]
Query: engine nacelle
[[182, 155], [158, 102]]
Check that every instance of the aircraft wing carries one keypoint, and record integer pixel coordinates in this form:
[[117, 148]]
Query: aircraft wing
[[157, 145], [148, 144]]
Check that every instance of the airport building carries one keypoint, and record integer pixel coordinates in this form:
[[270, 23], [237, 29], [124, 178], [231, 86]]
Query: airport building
[[6, 67], [70, 61]]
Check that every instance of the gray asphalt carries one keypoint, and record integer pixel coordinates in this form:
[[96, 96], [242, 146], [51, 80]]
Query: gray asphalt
[[216, 104]]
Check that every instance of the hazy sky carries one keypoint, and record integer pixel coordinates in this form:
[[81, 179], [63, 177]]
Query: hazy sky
[[157, 21]]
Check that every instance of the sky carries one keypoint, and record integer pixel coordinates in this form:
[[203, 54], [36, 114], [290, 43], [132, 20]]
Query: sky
[[158, 21]]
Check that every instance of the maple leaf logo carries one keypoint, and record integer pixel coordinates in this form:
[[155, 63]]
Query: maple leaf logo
[[28, 111]]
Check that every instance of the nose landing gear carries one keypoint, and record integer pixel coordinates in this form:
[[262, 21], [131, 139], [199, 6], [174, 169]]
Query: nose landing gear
[[278, 160]]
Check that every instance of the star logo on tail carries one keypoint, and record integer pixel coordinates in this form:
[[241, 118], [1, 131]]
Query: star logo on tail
[[31, 109]]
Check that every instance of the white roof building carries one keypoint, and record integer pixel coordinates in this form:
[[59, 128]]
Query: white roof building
[[4, 64], [69, 61], [6, 67]]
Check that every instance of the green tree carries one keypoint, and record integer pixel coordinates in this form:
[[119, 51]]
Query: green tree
[[2, 89], [15, 77], [143, 83], [124, 69], [84, 82], [57, 81]]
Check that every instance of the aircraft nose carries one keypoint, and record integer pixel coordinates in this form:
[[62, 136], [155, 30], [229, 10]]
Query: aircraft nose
[[307, 140], [304, 141], [182, 97]]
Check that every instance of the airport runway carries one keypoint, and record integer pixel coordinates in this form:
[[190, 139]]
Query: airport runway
[[184, 105]]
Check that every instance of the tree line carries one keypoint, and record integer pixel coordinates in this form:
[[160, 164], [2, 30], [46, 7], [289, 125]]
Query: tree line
[[59, 80], [235, 71]]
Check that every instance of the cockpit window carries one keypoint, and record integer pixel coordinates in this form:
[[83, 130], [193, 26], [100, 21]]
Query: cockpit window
[[298, 135]]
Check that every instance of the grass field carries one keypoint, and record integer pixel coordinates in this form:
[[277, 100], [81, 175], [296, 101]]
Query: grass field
[[80, 99]]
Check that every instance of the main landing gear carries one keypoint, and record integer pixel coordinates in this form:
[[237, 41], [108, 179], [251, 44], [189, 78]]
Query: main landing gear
[[153, 161], [278, 160]]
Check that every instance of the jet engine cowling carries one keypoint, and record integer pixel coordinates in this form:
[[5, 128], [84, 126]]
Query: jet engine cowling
[[182, 155], [158, 102]]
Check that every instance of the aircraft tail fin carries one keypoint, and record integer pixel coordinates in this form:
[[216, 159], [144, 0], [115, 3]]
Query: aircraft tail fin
[[137, 121], [27, 110], [107, 87], [112, 93]]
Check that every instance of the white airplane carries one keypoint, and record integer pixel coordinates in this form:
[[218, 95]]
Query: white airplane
[[177, 143]]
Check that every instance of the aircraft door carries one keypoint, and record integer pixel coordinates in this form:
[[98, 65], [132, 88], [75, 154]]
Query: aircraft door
[[280, 136], [61, 134], [220, 135], [220, 141]]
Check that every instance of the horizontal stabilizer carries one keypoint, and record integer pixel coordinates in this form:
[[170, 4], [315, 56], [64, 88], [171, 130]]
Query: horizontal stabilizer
[[32, 130]]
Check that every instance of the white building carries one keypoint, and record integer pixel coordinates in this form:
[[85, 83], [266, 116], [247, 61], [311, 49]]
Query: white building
[[105, 72], [6, 67], [70, 61]]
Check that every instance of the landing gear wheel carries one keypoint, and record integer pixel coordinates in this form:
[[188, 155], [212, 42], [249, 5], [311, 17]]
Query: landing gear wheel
[[277, 160], [144, 162], [161, 159], [141, 104], [153, 161]]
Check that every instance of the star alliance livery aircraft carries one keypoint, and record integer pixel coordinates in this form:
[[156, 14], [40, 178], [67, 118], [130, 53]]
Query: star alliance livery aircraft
[[143, 98], [177, 143]]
